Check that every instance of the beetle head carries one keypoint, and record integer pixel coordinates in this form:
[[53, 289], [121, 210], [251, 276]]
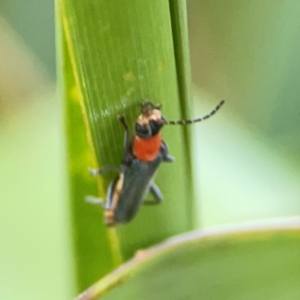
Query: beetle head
[[150, 121]]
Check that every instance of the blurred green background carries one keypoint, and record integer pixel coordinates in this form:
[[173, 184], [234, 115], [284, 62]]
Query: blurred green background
[[246, 157]]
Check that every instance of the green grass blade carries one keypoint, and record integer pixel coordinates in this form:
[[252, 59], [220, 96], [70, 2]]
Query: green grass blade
[[183, 70], [122, 52], [92, 246], [254, 262]]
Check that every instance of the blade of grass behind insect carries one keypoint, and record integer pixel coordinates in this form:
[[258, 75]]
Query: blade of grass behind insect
[[122, 53], [93, 249], [183, 70]]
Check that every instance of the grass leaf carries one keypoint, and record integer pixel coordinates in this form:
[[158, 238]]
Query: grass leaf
[[254, 262], [122, 52]]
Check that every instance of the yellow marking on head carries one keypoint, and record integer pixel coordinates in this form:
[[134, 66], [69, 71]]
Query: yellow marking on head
[[155, 115]]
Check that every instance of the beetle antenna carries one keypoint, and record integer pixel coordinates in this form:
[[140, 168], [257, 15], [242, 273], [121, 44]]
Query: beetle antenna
[[186, 122]]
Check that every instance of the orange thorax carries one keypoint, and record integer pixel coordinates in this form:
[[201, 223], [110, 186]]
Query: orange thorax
[[147, 149]]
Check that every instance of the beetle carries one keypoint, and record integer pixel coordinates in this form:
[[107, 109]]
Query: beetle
[[143, 153]]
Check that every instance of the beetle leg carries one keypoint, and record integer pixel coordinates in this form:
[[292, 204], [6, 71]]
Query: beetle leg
[[121, 118], [155, 191], [165, 152], [95, 200], [96, 172], [127, 157]]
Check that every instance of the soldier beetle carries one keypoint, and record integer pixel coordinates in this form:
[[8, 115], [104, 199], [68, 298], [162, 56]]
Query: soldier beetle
[[143, 153]]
